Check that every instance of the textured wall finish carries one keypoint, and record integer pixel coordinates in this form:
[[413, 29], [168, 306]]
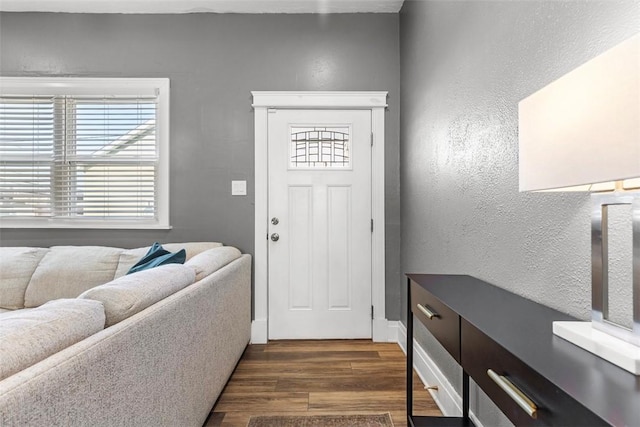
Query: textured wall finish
[[214, 62], [465, 65]]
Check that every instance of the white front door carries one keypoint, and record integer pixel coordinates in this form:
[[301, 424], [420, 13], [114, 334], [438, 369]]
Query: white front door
[[319, 203]]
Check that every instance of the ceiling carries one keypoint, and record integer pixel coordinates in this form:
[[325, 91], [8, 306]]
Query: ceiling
[[202, 6]]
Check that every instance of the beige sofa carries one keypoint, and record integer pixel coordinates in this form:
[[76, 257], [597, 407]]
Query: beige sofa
[[153, 348]]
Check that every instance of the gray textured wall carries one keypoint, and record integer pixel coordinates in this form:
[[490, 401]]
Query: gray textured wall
[[214, 61], [464, 67]]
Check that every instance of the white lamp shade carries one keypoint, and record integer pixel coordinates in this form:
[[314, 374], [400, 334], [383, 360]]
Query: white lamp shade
[[584, 128]]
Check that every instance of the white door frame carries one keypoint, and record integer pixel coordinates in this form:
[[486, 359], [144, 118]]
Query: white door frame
[[262, 102]]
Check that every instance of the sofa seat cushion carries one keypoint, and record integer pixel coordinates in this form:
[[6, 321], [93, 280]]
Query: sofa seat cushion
[[28, 336], [130, 294], [212, 260], [129, 257], [67, 271], [16, 268]]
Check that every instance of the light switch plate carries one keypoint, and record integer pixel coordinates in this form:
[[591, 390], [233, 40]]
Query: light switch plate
[[238, 188]]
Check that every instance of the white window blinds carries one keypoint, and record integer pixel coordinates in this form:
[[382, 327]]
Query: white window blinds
[[82, 158]]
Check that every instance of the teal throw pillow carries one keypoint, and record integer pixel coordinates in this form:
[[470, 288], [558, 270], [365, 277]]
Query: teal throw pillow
[[157, 255]]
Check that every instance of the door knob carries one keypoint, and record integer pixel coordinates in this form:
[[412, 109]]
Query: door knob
[[275, 237], [275, 221]]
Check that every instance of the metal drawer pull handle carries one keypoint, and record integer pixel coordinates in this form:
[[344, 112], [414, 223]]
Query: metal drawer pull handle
[[514, 393], [430, 314]]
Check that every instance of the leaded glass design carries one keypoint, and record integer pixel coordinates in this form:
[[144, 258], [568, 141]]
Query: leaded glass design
[[320, 147]]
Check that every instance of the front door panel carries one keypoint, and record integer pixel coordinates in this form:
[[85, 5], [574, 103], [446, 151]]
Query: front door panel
[[319, 224]]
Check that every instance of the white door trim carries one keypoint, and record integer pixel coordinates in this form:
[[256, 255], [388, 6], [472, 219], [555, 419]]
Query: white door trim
[[262, 102]]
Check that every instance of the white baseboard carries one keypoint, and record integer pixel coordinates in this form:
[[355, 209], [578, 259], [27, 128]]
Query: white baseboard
[[446, 397], [393, 330], [385, 330], [259, 333]]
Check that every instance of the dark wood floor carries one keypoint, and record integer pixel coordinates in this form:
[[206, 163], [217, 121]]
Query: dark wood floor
[[319, 377]]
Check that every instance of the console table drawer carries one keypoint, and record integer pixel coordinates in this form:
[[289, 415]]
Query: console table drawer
[[441, 321], [512, 381]]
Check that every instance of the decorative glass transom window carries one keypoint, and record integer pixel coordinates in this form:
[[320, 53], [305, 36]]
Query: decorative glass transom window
[[320, 147], [84, 153]]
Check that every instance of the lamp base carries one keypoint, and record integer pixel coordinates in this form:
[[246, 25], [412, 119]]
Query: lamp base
[[610, 348]]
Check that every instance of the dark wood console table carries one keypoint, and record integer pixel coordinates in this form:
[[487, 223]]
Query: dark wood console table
[[506, 344]]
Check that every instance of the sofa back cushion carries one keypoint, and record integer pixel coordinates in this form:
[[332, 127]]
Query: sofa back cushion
[[130, 294], [67, 271], [29, 277], [16, 268], [212, 260], [28, 336]]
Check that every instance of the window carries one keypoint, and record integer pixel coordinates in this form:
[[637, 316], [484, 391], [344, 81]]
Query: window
[[84, 153], [320, 147]]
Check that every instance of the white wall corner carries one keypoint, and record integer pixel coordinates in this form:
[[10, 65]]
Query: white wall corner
[[446, 397], [259, 331]]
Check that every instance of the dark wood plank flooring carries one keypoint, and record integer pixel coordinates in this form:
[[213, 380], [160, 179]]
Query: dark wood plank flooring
[[319, 377]]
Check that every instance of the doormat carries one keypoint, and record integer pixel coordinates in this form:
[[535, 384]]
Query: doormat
[[378, 420]]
